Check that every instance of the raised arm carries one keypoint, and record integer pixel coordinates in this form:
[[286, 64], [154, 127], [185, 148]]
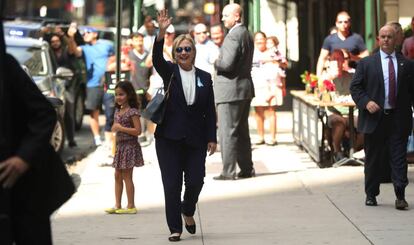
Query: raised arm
[[159, 63], [163, 22], [73, 47]]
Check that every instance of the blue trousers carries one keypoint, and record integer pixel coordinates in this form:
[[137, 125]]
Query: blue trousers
[[176, 158]]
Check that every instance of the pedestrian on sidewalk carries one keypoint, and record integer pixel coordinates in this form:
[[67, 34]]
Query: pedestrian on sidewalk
[[233, 91], [188, 130], [128, 152], [96, 53], [385, 115]]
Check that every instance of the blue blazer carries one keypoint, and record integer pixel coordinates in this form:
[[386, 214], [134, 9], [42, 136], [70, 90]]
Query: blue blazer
[[195, 123]]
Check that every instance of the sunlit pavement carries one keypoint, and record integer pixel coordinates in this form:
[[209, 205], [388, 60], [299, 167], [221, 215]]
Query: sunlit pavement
[[291, 201]]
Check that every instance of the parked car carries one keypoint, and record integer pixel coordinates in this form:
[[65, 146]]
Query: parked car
[[35, 28], [58, 135], [34, 55]]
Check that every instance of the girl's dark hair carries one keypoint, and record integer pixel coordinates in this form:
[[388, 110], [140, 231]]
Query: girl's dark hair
[[132, 98], [259, 33]]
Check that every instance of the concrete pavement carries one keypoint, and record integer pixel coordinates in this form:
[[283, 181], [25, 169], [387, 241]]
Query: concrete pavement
[[291, 201]]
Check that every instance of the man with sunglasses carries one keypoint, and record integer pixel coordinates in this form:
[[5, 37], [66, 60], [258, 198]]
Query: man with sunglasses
[[233, 91], [207, 51], [96, 53], [344, 38]]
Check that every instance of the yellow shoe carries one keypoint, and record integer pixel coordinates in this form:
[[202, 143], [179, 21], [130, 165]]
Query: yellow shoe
[[111, 210], [126, 211]]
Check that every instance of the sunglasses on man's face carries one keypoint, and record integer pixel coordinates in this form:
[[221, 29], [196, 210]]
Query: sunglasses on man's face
[[186, 49]]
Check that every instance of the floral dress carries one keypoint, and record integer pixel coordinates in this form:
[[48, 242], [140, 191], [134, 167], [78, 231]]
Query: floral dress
[[128, 152]]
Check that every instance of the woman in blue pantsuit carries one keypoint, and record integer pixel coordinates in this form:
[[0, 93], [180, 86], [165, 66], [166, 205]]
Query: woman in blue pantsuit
[[188, 130]]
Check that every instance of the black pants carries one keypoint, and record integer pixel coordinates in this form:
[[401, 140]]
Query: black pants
[[5, 219], [31, 229], [175, 158], [387, 143]]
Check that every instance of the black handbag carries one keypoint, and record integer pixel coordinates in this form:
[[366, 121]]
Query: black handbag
[[156, 107]]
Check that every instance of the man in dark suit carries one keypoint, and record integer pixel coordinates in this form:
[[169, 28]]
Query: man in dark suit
[[233, 90], [383, 91], [33, 179]]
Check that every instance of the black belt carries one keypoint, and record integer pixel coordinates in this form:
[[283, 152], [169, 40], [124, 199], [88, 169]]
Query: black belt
[[388, 111]]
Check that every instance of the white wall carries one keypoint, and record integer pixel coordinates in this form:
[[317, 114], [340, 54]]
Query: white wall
[[406, 12], [272, 16]]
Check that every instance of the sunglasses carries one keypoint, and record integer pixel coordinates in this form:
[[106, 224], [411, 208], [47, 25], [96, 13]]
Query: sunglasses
[[202, 32], [186, 49]]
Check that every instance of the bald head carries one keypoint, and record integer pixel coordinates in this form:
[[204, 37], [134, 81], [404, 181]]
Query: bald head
[[387, 28], [235, 8], [232, 14], [386, 39]]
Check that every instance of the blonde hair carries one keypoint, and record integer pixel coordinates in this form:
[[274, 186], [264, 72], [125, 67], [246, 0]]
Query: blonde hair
[[177, 42]]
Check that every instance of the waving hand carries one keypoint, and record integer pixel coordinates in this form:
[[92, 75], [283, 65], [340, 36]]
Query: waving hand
[[163, 22]]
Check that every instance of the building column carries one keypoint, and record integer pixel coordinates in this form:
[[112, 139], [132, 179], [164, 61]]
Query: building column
[[391, 10]]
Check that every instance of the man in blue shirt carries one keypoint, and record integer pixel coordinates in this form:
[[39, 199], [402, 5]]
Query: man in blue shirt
[[344, 38], [96, 53]]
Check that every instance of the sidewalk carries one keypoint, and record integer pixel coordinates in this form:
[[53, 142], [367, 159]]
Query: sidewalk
[[291, 201]]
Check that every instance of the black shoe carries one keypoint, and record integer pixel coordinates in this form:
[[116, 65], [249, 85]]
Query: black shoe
[[190, 228], [261, 142], [175, 237], [371, 201], [401, 204], [72, 144], [221, 177], [244, 175]]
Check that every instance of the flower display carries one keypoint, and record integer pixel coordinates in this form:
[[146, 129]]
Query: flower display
[[328, 85], [309, 79]]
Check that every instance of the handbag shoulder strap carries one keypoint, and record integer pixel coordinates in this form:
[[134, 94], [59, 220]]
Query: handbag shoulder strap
[[167, 92]]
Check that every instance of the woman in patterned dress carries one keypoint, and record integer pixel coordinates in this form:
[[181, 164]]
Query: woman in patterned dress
[[128, 152]]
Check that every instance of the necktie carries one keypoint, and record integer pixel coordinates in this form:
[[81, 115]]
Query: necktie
[[391, 82]]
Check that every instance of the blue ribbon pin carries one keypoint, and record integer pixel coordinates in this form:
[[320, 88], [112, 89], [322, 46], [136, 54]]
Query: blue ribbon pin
[[199, 83]]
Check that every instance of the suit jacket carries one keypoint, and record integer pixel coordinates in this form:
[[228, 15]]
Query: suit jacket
[[195, 123], [28, 120], [234, 64], [368, 84]]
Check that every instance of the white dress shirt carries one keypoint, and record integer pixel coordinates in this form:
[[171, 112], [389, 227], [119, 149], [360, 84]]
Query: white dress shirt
[[188, 82], [384, 64]]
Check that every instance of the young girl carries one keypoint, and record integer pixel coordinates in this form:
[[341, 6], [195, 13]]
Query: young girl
[[128, 151]]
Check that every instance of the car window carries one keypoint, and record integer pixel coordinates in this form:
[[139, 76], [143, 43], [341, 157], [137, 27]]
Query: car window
[[33, 58]]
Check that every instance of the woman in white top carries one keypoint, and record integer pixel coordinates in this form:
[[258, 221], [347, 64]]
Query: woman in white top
[[267, 88], [188, 129]]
